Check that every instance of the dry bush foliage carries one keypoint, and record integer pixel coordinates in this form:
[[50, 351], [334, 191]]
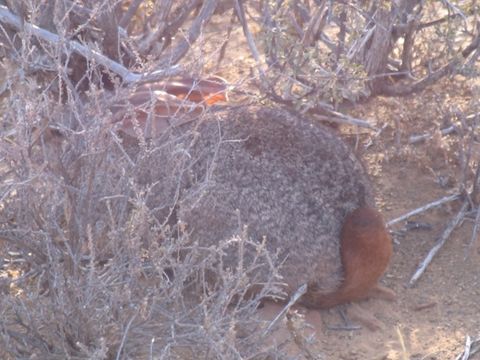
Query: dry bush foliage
[[328, 54], [91, 265], [101, 272]]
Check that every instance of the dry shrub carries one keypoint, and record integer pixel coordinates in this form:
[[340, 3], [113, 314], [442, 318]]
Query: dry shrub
[[94, 264], [97, 267]]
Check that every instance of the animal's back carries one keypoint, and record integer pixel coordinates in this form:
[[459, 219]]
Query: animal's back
[[288, 179]]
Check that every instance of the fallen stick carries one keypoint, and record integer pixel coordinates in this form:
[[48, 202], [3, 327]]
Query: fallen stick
[[474, 234], [419, 138], [423, 208], [339, 118], [465, 355], [468, 346], [439, 244], [446, 131]]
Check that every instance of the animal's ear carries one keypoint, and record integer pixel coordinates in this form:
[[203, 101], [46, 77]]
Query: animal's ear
[[156, 106], [206, 91], [153, 112], [214, 89]]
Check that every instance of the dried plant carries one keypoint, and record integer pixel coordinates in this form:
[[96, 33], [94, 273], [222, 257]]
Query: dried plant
[[92, 267]]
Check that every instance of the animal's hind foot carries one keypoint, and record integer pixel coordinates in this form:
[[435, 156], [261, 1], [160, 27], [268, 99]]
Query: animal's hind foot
[[364, 317], [382, 292]]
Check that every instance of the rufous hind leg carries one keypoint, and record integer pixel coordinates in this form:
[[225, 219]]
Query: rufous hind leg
[[365, 249]]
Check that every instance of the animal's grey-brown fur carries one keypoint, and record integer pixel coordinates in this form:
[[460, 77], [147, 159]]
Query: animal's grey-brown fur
[[290, 180]]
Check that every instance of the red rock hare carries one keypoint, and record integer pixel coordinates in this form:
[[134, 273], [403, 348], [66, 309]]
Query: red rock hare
[[298, 185], [289, 180]]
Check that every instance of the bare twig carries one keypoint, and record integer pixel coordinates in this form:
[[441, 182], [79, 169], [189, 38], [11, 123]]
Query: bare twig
[[316, 24], [111, 43], [466, 351], [456, 10], [439, 244], [471, 348], [128, 77], [130, 13], [163, 31], [340, 118], [173, 56], [415, 139], [476, 183], [124, 337], [85, 13], [403, 90], [248, 35], [424, 208], [401, 339], [223, 48], [474, 233]]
